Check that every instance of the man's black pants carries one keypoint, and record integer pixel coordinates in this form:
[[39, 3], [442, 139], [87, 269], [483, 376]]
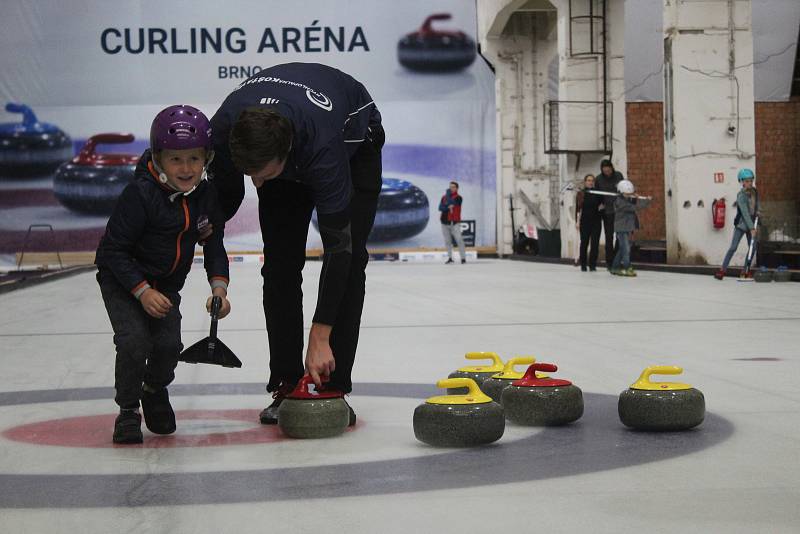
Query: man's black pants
[[608, 232], [285, 213]]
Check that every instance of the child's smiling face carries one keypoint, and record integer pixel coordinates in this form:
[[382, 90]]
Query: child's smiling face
[[184, 168]]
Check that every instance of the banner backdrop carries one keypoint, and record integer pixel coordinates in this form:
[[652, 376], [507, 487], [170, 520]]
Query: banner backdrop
[[87, 67]]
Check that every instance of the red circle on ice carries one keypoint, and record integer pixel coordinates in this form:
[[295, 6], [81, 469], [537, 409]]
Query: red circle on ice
[[94, 431]]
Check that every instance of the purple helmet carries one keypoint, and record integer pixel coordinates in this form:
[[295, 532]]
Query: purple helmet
[[180, 127]]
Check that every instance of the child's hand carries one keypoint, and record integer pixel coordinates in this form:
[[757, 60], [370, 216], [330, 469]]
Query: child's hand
[[224, 309], [155, 303]]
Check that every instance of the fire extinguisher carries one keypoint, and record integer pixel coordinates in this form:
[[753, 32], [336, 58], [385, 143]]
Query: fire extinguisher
[[718, 212]]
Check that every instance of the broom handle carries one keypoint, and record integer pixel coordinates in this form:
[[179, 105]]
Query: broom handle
[[216, 304], [608, 193]]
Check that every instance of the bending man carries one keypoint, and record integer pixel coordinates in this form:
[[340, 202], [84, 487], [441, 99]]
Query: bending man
[[309, 136]]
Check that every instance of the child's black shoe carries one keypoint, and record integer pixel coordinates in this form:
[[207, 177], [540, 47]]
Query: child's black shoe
[[158, 414], [128, 427]]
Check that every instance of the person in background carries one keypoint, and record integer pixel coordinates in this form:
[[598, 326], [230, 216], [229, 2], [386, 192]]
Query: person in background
[[625, 222], [607, 181], [746, 213], [450, 208], [589, 222]]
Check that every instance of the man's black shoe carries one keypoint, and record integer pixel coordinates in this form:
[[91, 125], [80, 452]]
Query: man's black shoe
[[158, 415], [449, 261], [269, 415], [128, 427]]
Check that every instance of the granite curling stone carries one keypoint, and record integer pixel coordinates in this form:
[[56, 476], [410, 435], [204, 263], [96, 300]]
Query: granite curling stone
[[431, 50], [782, 274], [763, 275], [92, 182], [534, 401], [31, 148], [650, 405], [459, 420], [495, 385], [478, 373], [306, 415]]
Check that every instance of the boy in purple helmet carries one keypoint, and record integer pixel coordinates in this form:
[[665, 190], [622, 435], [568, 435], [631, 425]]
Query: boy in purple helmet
[[144, 257]]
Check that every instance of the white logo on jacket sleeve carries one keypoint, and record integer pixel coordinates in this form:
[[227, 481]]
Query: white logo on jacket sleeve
[[319, 99]]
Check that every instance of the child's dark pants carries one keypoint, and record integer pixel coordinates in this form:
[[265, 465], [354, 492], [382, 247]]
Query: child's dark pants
[[147, 348]]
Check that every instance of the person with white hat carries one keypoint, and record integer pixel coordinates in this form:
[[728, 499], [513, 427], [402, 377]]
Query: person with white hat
[[625, 222]]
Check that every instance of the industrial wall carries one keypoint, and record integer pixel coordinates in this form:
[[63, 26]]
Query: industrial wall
[[778, 157], [777, 130], [645, 126]]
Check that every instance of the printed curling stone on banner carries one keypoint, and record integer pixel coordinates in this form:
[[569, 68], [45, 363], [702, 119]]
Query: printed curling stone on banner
[[650, 405], [92, 182], [403, 211], [459, 420], [478, 373], [30, 147], [432, 50]]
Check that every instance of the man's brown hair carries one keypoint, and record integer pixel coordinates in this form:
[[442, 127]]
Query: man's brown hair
[[259, 136]]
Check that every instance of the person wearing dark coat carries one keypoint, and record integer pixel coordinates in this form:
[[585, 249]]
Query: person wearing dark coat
[[607, 181], [588, 215]]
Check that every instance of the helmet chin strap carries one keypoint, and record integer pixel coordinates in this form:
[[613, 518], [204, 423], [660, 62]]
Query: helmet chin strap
[[162, 177]]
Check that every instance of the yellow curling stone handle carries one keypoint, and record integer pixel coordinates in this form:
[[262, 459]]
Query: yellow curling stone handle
[[474, 394], [645, 383], [496, 367], [509, 373]]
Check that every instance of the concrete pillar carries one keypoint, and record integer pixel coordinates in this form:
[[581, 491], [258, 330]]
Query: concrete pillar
[[708, 121], [518, 38]]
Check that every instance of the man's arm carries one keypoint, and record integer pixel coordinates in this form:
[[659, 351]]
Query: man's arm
[[338, 252], [337, 245], [332, 189], [215, 257], [228, 181]]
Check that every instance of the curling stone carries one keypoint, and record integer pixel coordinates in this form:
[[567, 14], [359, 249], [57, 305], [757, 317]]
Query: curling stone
[[494, 385], [650, 405], [534, 401], [478, 373], [304, 415], [31, 148], [782, 274], [432, 50], [92, 182], [763, 275], [403, 211], [459, 420]]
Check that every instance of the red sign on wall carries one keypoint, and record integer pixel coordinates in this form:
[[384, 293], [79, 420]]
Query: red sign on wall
[[719, 177]]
